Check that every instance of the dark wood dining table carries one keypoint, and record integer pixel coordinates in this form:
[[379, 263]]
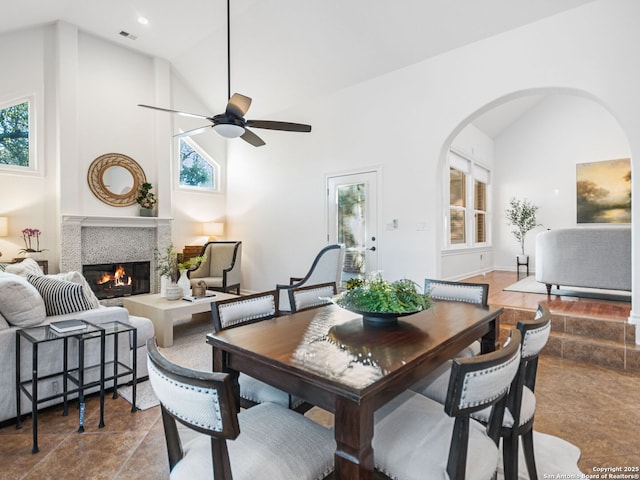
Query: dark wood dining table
[[329, 357]]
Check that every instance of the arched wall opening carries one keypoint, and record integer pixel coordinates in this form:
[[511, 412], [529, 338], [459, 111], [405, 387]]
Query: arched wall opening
[[533, 154]]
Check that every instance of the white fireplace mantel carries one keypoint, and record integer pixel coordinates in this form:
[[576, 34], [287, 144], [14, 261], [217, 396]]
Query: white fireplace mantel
[[104, 221]]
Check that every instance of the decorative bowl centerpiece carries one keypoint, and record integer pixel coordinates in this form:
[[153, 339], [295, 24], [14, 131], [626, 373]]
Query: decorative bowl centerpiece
[[381, 302]]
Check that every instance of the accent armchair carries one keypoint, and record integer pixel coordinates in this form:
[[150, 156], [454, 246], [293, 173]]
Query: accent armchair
[[326, 267], [221, 269]]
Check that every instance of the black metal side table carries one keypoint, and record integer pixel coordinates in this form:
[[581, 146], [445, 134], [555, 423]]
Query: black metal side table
[[80, 375], [37, 336]]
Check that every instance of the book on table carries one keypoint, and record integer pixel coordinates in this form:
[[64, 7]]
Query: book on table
[[64, 326], [192, 298]]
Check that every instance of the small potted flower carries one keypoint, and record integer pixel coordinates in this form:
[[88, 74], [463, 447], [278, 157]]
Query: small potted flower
[[146, 200], [31, 237]]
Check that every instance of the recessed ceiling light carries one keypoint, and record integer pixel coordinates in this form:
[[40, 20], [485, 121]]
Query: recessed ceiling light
[[143, 20]]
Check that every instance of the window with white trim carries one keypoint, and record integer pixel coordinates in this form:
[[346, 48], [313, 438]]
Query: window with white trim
[[17, 134], [197, 169], [467, 189]]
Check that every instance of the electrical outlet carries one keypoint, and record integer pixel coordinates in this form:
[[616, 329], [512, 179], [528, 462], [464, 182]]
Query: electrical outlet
[[54, 387]]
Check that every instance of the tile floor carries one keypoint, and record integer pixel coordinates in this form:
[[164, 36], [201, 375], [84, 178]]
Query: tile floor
[[594, 407]]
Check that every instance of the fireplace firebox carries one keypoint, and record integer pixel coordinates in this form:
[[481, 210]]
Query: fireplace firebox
[[112, 280]]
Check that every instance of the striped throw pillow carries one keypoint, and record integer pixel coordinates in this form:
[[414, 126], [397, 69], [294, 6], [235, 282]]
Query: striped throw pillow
[[60, 296]]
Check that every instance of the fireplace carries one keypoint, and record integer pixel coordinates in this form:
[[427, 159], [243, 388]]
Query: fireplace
[[112, 280]]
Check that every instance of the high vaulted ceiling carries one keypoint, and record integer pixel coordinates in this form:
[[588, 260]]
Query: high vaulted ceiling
[[283, 51]]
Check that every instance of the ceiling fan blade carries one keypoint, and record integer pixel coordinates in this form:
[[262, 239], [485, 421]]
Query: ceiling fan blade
[[250, 137], [174, 111], [238, 105], [274, 125], [195, 131]]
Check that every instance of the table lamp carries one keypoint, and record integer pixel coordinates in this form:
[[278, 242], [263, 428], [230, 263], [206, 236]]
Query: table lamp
[[213, 230]]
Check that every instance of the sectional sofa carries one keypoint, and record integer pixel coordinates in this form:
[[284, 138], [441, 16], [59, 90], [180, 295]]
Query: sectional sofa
[[27, 299]]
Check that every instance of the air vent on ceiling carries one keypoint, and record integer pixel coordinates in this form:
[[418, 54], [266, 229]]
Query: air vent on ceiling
[[128, 35]]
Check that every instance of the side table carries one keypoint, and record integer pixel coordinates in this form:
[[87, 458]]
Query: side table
[[81, 376]]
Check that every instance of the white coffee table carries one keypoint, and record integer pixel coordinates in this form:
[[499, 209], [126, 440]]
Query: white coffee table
[[163, 312]]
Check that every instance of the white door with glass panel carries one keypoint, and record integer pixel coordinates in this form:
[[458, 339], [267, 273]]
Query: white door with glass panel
[[352, 216]]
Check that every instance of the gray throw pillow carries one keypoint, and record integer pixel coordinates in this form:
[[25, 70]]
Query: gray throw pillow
[[20, 303]]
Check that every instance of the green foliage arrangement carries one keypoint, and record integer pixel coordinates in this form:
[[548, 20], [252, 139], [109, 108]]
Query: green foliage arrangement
[[145, 198], [192, 263], [521, 214], [377, 295], [167, 263]]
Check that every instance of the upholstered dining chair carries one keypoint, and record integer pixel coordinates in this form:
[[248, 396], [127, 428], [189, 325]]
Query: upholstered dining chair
[[457, 291], [415, 438], [326, 267], [311, 296], [521, 402], [235, 312], [266, 442], [476, 293]]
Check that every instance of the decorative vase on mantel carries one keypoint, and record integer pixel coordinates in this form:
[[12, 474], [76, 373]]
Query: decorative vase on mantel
[[174, 291]]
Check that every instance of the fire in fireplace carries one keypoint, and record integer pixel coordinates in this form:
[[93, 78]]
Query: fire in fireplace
[[111, 280]]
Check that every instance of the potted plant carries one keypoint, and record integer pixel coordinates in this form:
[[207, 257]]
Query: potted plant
[[184, 267], [380, 301], [146, 200], [521, 215], [31, 237], [167, 266]]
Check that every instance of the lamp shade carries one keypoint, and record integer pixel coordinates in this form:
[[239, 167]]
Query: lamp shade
[[4, 226], [212, 230]]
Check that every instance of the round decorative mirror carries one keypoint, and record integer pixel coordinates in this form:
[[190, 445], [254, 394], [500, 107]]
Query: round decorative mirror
[[115, 179]]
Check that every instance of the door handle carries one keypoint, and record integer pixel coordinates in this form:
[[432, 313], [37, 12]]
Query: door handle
[[373, 249]]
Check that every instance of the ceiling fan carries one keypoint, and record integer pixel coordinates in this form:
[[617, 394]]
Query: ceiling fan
[[231, 123]]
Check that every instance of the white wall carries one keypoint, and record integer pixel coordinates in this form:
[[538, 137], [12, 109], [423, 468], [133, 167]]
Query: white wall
[[27, 199], [405, 122], [87, 91], [536, 159]]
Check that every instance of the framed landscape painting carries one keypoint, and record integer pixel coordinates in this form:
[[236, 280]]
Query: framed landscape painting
[[603, 191]]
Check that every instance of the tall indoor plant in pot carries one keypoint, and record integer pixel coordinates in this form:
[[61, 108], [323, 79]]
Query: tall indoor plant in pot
[[521, 215]]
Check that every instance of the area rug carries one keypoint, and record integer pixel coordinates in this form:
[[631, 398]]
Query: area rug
[[555, 458], [530, 285], [145, 398], [189, 349]]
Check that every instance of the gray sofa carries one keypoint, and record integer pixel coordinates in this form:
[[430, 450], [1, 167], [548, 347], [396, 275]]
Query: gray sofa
[[17, 292], [589, 257]]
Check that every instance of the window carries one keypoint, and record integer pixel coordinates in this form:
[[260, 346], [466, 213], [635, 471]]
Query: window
[[16, 135], [468, 192], [197, 169]]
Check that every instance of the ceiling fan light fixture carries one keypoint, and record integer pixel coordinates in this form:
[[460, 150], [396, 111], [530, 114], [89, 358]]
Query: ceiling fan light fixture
[[229, 130]]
